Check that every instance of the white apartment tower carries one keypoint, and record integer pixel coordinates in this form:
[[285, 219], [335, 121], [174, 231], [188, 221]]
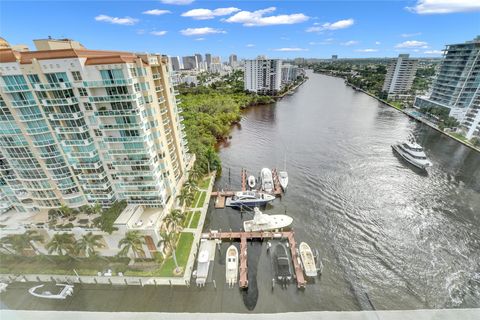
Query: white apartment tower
[[263, 75], [82, 126], [400, 75]]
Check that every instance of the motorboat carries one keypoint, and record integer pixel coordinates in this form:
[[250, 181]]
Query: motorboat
[[203, 263], [63, 291], [308, 260], [283, 179], [3, 287], [249, 199], [413, 153], [265, 222], [266, 179], [282, 264], [251, 182], [231, 265]]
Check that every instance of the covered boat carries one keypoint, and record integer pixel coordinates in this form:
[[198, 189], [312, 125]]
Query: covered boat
[[249, 199], [59, 291], [308, 260], [265, 222], [282, 264], [231, 265], [267, 180], [251, 182]]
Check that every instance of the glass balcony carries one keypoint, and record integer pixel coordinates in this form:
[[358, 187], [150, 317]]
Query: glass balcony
[[178, 101], [156, 76], [179, 110], [80, 154], [97, 186], [114, 98], [120, 126], [37, 130], [123, 139], [131, 163], [84, 142], [128, 151], [24, 103], [59, 102], [31, 117], [92, 176], [80, 129], [107, 83], [66, 116], [15, 88], [93, 165], [113, 113], [163, 111], [52, 86], [161, 100]]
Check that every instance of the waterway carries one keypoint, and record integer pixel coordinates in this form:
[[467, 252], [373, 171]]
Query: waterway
[[390, 236]]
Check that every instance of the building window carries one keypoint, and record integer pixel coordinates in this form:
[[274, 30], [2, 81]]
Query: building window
[[97, 132], [83, 92], [88, 106], [76, 76], [33, 78]]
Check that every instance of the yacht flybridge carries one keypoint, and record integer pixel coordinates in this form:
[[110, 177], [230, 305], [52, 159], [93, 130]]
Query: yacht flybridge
[[412, 152]]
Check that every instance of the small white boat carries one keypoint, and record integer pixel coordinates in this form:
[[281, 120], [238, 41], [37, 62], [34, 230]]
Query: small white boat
[[3, 287], [412, 152], [283, 179], [251, 182], [267, 180], [308, 260], [265, 222], [65, 291], [249, 199], [231, 265]]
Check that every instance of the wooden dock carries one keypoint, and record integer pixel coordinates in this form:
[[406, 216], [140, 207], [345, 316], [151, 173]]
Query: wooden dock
[[244, 236]]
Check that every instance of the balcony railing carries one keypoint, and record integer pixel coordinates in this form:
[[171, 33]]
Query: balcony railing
[[108, 83], [24, 103], [120, 126], [66, 116], [15, 88], [113, 98], [52, 86], [124, 139], [71, 129], [59, 102]]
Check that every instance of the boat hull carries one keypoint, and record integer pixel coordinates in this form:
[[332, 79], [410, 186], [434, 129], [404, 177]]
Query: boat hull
[[308, 260], [62, 295], [231, 265], [414, 163], [277, 222]]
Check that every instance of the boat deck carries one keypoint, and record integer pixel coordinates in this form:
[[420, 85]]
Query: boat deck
[[244, 236]]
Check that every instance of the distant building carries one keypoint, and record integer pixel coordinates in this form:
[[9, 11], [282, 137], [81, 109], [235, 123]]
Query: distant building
[[199, 57], [457, 86], [232, 60], [190, 63], [56, 44], [263, 75], [215, 65], [290, 73], [334, 57], [400, 75], [208, 60], [176, 63]]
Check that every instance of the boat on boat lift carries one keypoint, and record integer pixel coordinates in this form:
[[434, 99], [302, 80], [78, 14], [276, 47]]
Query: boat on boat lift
[[308, 260], [231, 265], [266, 179], [266, 222], [249, 199], [283, 179]]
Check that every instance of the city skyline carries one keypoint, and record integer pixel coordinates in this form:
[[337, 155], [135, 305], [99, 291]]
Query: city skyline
[[311, 29]]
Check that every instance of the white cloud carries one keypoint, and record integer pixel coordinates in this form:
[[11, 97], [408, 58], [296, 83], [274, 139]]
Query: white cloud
[[199, 39], [205, 14], [412, 44], [444, 6], [156, 12], [366, 50], [409, 35], [177, 2], [290, 49], [349, 43], [250, 45], [258, 18], [438, 52], [159, 33], [377, 43], [340, 24], [126, 21], [200, 31]]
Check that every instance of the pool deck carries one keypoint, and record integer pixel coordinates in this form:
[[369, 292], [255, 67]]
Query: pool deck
[[437, 314]]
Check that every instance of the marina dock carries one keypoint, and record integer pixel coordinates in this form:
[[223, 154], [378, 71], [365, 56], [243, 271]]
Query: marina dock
[[244, 236], [222, 195]]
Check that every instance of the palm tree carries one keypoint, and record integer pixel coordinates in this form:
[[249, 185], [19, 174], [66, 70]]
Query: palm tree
[[133, 240], [97, 208], [6, 244], [65, 211], [195, 173], [186, 196], [169, 242], [173, 220], [61, 244], [20, 242], [88, 243]]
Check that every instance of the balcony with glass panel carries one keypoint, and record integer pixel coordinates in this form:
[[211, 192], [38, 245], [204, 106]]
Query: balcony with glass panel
[[30, 117], [128, 151], [60, 102], [114, 113], [93, 165], [114, 98], [96, 186], [80, 154], [121, 126], [107, 83], [145, 162], [83, 142], [15, 88], [80, 129], [123, 139], [52, 86], [23, 103], [66, 116], [92, 176]]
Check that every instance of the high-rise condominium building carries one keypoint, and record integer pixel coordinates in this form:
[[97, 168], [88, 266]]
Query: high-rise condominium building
[[232, 60], [176, 63], [263, 75], [84, 126], [457, 86], [190, 63], [400, 75], [208, 60]]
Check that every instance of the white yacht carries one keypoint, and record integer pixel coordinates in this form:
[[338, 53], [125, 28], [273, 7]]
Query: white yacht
[[231, 265], [65, 291], [249, 199], [266, 222], [251, 182], [283, 178], [308, 260], [413, 153], [267, 180]]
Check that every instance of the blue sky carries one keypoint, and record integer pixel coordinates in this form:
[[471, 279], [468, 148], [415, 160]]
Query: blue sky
[[312, 28]]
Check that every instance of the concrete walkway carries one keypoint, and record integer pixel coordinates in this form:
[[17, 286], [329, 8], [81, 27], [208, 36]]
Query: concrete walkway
[[443, 314]]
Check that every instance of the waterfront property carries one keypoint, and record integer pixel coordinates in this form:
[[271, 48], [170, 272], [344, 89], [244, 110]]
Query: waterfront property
[[263, 75], [400, 75], [456, 87]]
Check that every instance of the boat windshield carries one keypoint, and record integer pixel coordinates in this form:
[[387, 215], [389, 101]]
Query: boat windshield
[[406, 146]]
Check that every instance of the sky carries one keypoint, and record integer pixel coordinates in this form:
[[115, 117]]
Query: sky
[[283, 29]]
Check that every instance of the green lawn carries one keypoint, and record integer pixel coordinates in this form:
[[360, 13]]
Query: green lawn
[[204, 183], [201, 201], [60, 265], [459, 136], [197, 196], [184, 246], [195, 220], [187, 219]]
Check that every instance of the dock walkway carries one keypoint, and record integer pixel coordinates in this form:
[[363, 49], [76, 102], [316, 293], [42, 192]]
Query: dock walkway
[[244, 236]]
